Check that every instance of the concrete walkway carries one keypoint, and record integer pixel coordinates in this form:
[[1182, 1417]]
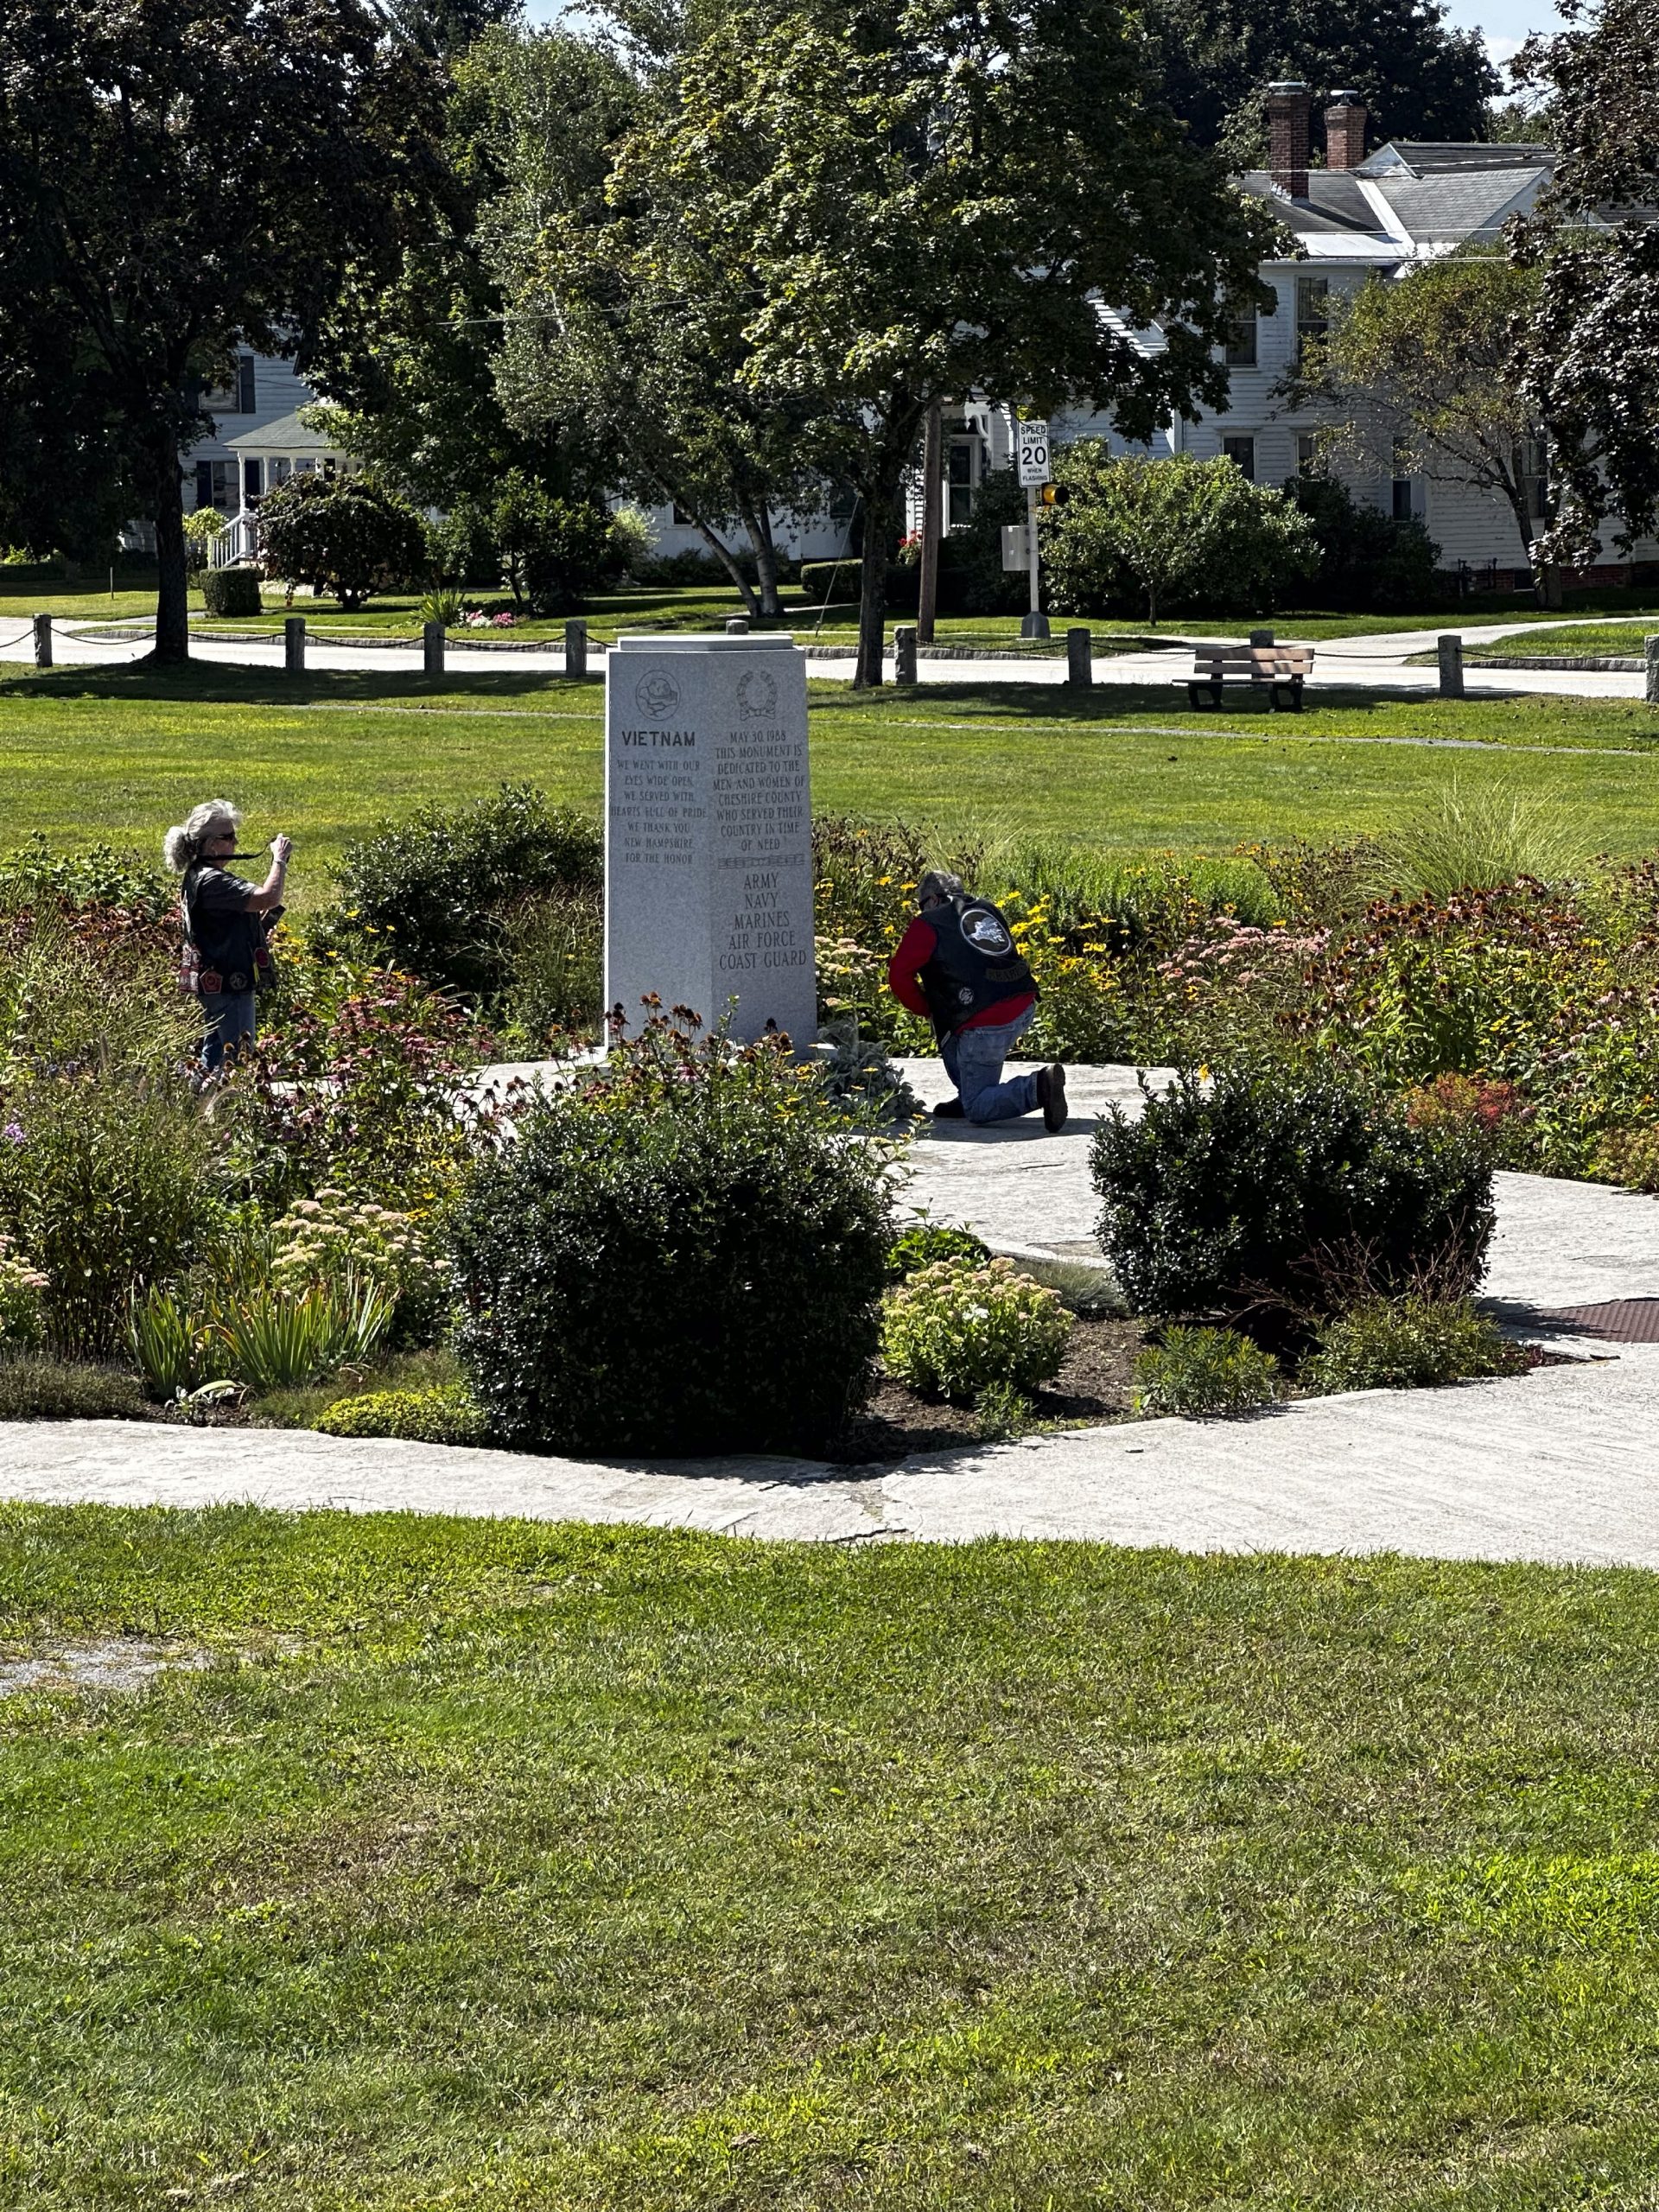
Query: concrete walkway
[[1560, 1465], [1378, 662]]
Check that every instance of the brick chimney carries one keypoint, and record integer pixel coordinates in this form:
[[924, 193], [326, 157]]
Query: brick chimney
[[1288, 104], [1345, 131]]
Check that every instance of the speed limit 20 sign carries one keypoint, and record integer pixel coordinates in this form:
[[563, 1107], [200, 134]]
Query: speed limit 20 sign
[[1032, 452]]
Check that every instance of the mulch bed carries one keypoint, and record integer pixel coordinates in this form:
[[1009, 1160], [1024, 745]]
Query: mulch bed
[[1094, 1384]]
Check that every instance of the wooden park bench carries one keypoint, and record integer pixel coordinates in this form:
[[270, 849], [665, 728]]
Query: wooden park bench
[[1280, 670]]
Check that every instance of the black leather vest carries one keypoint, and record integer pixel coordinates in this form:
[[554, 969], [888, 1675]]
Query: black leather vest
[[974, 963]]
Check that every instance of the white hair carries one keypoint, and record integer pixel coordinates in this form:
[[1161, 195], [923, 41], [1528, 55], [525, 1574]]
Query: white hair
[[182, 846]]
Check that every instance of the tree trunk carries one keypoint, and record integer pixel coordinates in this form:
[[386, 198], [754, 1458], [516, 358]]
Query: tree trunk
[[172, 645], [927, 599], [758, 523], [1546, 577], [729, 561], [876, 552]]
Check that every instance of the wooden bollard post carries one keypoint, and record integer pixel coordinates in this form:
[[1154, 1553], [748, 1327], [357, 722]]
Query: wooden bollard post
[[575, 649], [1650, 654], [737, 625], [294, 644], [43, 641], [904, 653], [1079, 659], [432, 647], [1450, 648]]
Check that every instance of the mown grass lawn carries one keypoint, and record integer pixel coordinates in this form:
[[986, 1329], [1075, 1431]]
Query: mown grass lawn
[[542, 1867], [1622, 640], [121, 753]]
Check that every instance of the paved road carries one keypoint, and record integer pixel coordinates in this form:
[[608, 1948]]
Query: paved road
[[1370, 662], [1560, 1465]]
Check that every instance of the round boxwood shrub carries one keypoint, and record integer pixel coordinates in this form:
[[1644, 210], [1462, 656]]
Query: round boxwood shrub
[[684, 1256], [230, 591], [442, 1413], [1285, 1188]]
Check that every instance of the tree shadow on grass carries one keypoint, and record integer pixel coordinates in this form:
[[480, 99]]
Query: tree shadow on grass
[[1114, 702], [224, 684]]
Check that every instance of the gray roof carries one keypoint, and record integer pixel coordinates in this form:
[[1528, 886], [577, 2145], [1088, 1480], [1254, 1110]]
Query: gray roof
[[1334, 201], [1430, 157], [1460, 204], [1438, 195], [286, 434]]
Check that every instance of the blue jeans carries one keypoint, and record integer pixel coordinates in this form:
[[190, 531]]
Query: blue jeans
[[973, 1061], [229, 1018]]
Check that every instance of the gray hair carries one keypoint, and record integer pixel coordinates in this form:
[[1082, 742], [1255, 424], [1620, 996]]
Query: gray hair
[[938, 884], [182, 846]]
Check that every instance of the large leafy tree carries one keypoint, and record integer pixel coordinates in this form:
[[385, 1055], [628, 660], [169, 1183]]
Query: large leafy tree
[[180, 178], [414, 364], [916, 199], [1421, 376], [1420, 78], [1591, 362]]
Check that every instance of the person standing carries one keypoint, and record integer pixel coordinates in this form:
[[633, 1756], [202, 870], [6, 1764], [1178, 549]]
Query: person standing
[[957, 965], [226, 922]]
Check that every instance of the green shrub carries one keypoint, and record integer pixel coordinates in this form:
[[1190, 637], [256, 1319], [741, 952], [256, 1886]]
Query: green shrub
[[1280, 1187], [1630, 1156], [960, 1329], [446, 1412], [1368, 560], [1199, 1372], [230, 591], [33, 1388], [1170, 532], [685, 1255], [552, 550], [1408, 1343], [445, 891], [342, 535], [200, 529], [927, 1243]]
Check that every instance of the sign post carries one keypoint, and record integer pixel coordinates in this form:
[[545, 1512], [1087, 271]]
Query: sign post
[[1031, 453]]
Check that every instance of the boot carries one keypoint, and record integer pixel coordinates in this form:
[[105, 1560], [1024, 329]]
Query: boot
[[949, 1110], [1051, 1097]]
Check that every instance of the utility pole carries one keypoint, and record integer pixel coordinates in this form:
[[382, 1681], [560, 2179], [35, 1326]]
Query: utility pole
[[932, 523]]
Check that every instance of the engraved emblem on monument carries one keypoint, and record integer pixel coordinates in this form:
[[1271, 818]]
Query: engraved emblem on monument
[[657, 695], [756, 696]]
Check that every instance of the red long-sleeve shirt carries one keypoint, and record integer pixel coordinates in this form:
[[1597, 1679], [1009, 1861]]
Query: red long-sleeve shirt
[[915, 948]]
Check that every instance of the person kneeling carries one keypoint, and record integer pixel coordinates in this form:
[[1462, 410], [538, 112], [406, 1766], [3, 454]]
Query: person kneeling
[[958, 964]]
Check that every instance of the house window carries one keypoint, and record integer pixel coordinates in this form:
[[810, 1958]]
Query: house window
[[1532, 462], [961, 481], [253, 481], [1310, 462], [217, 485], [1241, 342], [279, 472], [1402, 507], [236, 394], [843, 502], [1242, 453], [1313, 312]]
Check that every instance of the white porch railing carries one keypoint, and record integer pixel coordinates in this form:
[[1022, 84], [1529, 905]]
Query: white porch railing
[[238, 541]]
